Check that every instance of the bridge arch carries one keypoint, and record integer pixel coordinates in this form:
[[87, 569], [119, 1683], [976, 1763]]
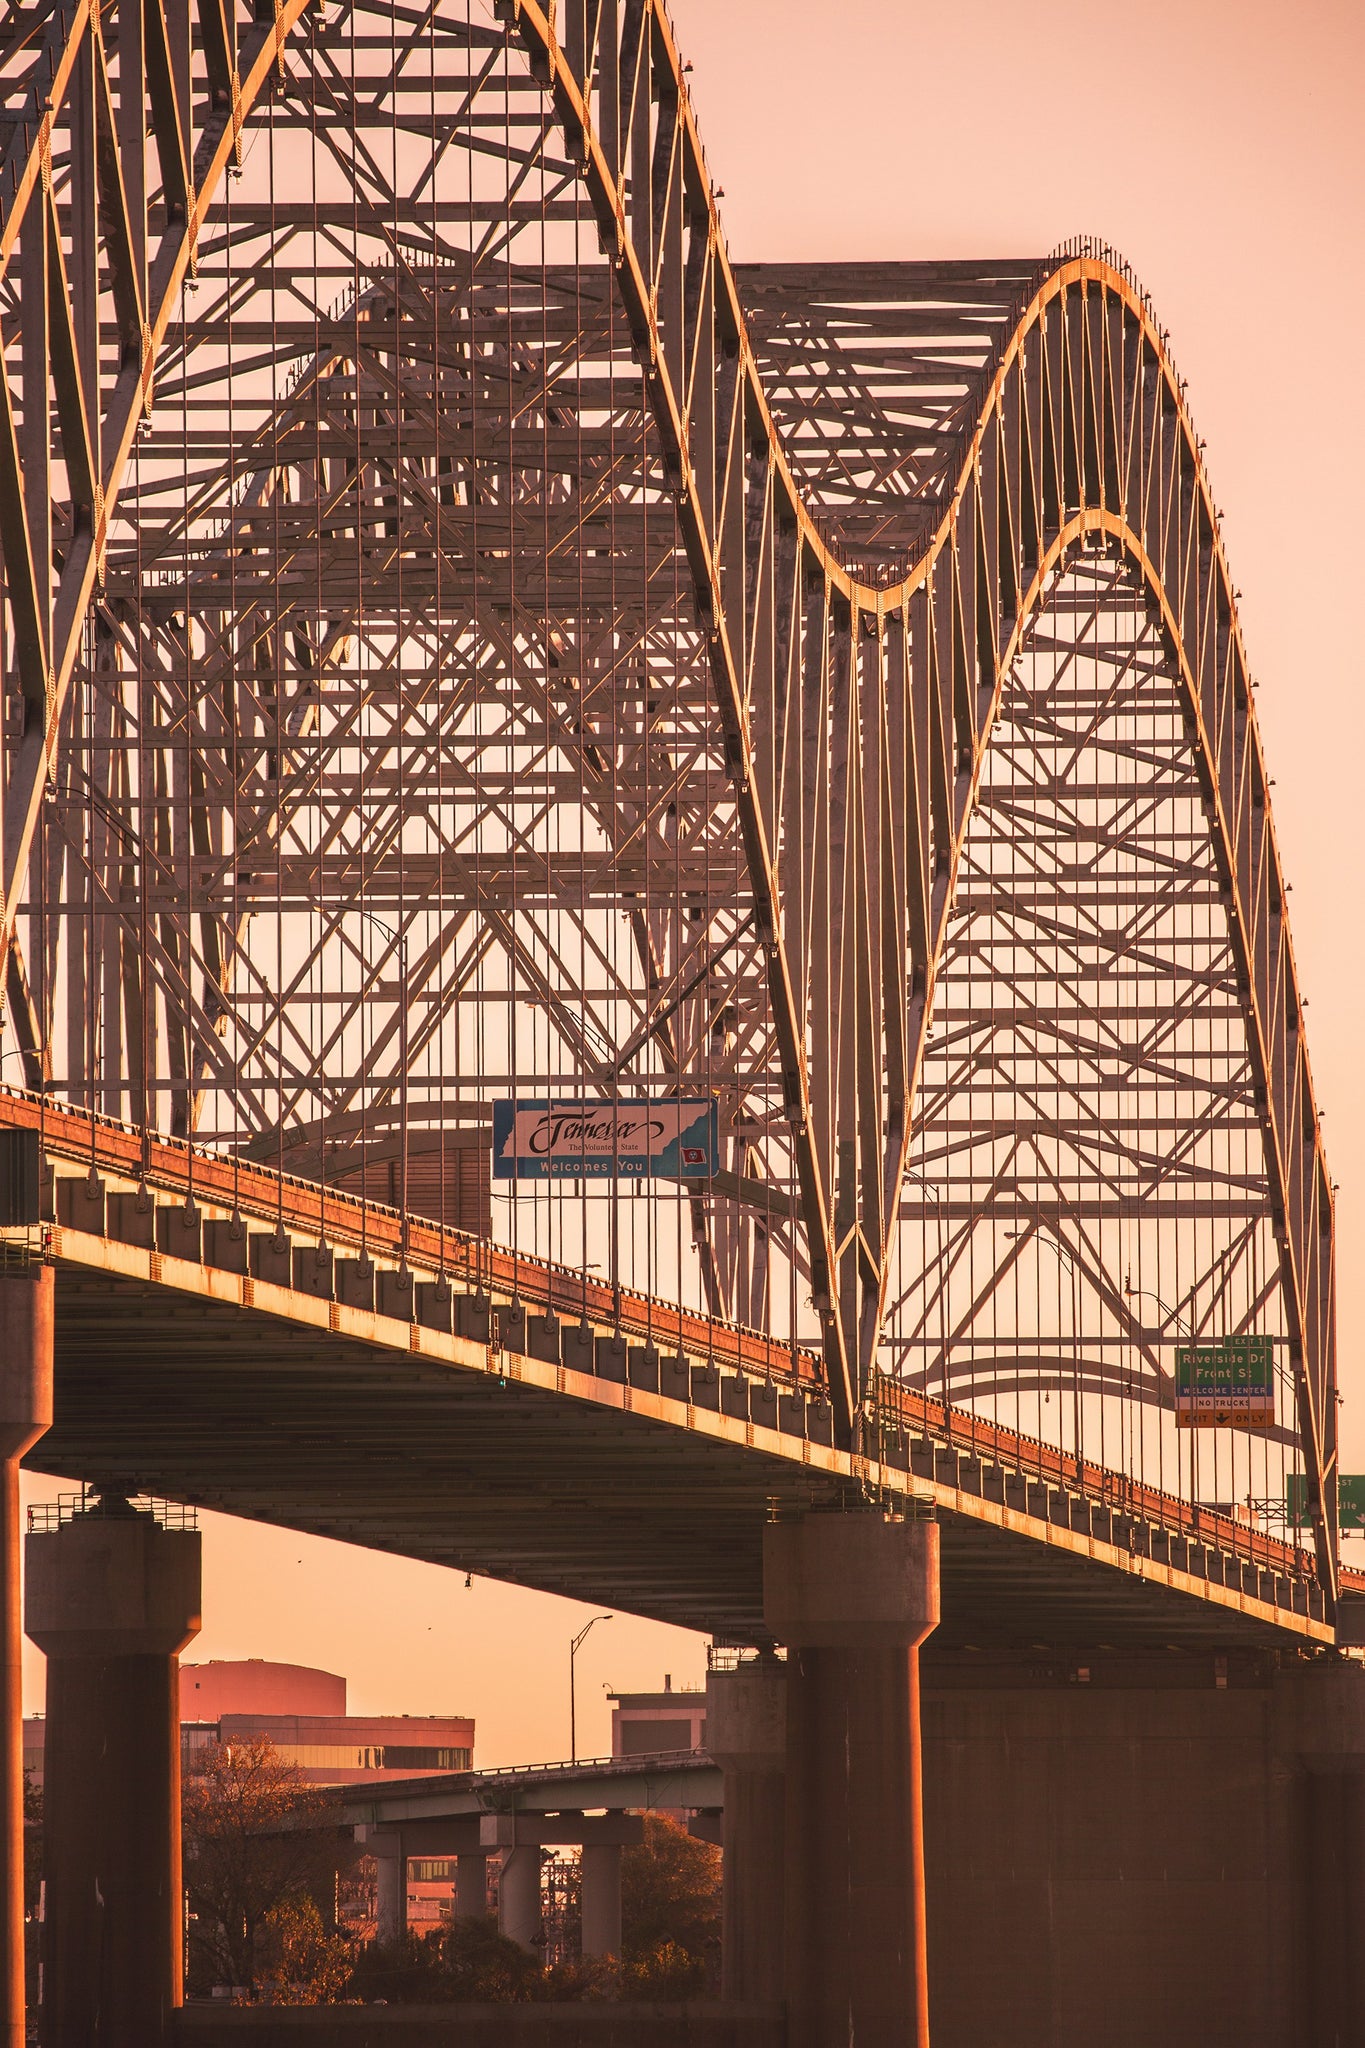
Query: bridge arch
[[1086, 418], [855, 701]]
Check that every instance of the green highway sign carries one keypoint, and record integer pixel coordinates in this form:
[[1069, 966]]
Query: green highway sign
[[1229, 1383], [1350, 1499]]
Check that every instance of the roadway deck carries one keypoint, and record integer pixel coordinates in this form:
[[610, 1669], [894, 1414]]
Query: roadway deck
[[663, 1781], [634, 1464]]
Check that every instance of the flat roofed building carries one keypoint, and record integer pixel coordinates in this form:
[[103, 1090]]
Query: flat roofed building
[[303, 1712], [645, 1722], [351, 1749]]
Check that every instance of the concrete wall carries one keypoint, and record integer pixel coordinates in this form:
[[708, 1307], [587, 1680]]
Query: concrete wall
[[1124, 1857], [482, 2026]]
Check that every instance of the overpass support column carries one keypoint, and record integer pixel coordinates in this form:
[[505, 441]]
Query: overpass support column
[[25, 1413], [519, 1895], [471, 1886], [601, 1898], [746, 1734], [112, 1599], [391, 1883], [853, 1596]]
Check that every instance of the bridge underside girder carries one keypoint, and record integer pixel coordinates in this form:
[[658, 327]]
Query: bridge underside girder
[[245, 1412]]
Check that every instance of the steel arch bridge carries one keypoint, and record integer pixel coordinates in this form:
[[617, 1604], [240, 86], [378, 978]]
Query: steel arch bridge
[[466, 639]]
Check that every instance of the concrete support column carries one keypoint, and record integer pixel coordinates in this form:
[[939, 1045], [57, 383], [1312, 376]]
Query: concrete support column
[[601, 1898], [853, 1596], [1335, 1906], [519, 1896], [25, 1413], [391, 1902], [471, 1887], [112, 1599], [1321, 1724], [746, 1734]]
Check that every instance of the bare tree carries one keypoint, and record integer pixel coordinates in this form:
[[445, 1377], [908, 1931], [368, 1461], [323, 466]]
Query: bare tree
[[256, 1836]]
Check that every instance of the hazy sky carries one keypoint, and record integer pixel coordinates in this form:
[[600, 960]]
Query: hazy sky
[[1220, 145]]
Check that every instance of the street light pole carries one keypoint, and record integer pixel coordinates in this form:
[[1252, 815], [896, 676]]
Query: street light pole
[[1063, 1252], [1065, 1256], [400, 939], [1182, 1323], [574, 1648], [940, 1284], [1184, 1328]]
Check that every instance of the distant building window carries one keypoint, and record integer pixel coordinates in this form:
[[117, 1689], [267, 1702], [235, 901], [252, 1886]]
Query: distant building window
[[324, 1756], [432, 1870], [341, 1756], [401, 1756], [337, 1756]]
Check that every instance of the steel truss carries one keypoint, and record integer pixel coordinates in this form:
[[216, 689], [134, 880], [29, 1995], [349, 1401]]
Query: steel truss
[[519, 650]]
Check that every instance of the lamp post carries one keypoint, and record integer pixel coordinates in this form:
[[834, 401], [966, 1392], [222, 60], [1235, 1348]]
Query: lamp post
[[400, 939], [1067, 1259], [1184, 1326], [574, 1647], [940, 1285], [1064, 1253], [1182, 1323]]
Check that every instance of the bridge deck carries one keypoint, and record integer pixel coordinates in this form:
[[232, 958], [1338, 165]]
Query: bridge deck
[[666, 1779], [610, 1471]]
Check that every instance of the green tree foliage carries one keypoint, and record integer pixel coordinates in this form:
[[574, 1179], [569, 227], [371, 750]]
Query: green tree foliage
[[665, 1972], [257, 1838], [470, 1962], [33, 1846], [481, 1964], [33, 1882], [407, 1972], [298, 1961], [670, 1894], [670, 1899]]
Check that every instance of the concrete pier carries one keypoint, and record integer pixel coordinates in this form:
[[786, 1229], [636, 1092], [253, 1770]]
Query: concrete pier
[[519, 1896], [853, 1596], [1320, 1730], [746, 1733], [601, 1898], [112, 1599], [519, 1838], [25, 1414], [391, 1886], [471, 1886]]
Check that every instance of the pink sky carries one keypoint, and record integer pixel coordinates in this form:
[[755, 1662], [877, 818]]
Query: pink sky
[[1220, 145]]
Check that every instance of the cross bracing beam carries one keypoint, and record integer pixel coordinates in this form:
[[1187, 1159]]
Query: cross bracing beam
[[469, 591]]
